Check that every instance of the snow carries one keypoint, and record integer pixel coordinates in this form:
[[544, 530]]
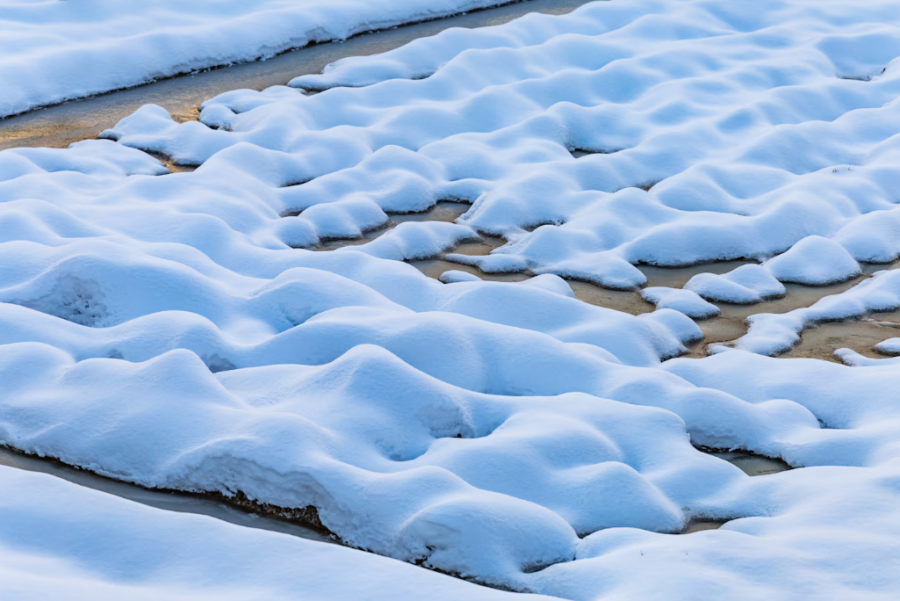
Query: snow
[[852, 358], [455, 276], [62, 541], [179, 330], [814, 261], [683, 300], [53, 51], [745, 285], [412, 240]]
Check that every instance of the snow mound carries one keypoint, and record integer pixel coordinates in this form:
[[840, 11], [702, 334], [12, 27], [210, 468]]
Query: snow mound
[[455, 276], [891, 346], [770, 334], [45, 47], [814, 261], [415, 240], [854, 359], [746, 285], [685, 301], [551, 283], [58, 537]]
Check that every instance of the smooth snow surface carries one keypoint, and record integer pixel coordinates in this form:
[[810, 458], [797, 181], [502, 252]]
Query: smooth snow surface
[[52, 51], [167, 330]]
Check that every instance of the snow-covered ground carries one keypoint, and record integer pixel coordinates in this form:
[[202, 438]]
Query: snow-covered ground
[[62, 541], [171, 329], [52, 51]]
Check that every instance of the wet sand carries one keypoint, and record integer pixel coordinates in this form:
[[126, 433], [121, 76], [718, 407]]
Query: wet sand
[[60, 125], [860, 335]]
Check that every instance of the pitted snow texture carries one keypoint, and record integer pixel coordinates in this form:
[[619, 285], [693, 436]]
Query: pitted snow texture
[[476, 427]]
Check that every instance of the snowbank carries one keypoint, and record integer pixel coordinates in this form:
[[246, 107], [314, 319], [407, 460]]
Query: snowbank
[[55, 51], [62, 541]]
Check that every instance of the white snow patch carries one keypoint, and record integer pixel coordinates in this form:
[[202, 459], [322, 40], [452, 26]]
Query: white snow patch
[[814, 261], [683, 300]]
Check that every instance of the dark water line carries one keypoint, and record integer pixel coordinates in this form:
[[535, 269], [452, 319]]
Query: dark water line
[[182, 502], [60, 125]]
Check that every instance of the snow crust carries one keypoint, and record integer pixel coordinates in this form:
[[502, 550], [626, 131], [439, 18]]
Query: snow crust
[[55, 51], [166, 330]]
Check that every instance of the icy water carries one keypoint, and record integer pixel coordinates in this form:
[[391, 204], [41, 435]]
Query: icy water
[[750, 463], [61, 125]]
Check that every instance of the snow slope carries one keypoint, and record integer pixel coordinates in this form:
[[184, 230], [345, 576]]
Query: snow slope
[[166, 330], [52, 51], [62, 541]]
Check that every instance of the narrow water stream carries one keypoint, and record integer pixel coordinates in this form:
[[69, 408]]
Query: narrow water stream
[[60, 125]]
